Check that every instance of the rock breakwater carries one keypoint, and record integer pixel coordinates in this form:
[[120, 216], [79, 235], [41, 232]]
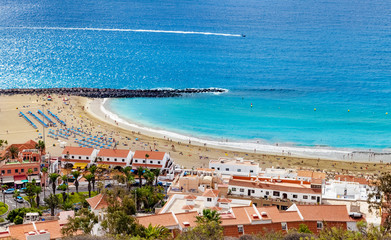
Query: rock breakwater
[[111, 92]]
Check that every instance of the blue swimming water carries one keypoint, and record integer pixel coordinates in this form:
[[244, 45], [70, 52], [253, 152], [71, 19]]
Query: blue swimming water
[[330, 55]]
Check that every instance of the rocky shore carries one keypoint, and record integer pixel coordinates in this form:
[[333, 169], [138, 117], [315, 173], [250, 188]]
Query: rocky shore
[[110, 92]]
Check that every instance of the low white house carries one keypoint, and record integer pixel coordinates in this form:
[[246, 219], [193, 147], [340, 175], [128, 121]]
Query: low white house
[[276, 189], [335, 189], [237, 167], [78, 156], [152, 160], [114, 157]]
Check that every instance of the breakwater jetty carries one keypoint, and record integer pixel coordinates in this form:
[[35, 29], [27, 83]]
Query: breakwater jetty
[[111, 92]]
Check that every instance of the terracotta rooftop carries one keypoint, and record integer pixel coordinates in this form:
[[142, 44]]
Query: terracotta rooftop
[[348, 178], [189, 217], [224, 200], [152, 155], [120, 153], [21, 231], [165, 220], [311, 174], [190, 197], [78, 151], [286, 187], [336, 213], [211, 193], [97, 202]]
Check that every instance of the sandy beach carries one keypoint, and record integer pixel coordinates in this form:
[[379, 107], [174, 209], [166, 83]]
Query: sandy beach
[[88, 115]]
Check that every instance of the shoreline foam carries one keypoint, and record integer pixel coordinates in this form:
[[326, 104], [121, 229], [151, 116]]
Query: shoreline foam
[[98, 108]]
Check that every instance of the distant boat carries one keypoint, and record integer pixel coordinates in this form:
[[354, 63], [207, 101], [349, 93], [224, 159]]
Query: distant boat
[[243, 35]]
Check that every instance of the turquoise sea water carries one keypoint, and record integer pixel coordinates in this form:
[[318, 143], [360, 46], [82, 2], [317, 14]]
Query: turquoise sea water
[[332, 55]]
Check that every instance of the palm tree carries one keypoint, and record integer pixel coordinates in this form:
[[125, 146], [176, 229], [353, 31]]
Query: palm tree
[[52, 202], [156, 172], [14, 152], [40, 146], [76, 175], [208, 216], [93, 169], [149, 176], [140, 172], [16, 194], [89, 178], [53, 178], [44, 172], [38, 191], [156, 232]]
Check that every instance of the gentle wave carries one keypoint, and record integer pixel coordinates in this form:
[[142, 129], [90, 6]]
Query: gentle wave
[[126, 30]]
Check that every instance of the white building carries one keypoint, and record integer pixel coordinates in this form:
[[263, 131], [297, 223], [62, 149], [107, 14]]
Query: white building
[[114, 157], [78, 156], [238, 167], [279, 173], [276, 189], [152, 160], [335, 189]]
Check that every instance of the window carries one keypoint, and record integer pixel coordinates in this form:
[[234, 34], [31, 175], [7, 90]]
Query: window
[[135, 160], [87, 158], [227, 169], [158, 162], [108, 159], [305, 197], [252, 191], [151, 162], [313, 197], [123, 160], [240, 228], [234, 189], [73, 157], [239, 170], [2, 171], [213, 167], [218, 168], [319, 225], [294, 196], [251, 171], [143, 161], [284, 226], [8, 171], [284, 207], [22, 170], [115, 159], [16, 170], [209, 199], [35, 169], [267, 192], [276, 194], [242, 190], [79, 157]]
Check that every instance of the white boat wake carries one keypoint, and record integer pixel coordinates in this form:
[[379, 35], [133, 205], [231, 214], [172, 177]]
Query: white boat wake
[[126, 30]]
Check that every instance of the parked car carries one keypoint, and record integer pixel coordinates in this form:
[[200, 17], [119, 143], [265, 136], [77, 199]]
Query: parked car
[[19, 199], [9, 191], [108, 185], [22, 190]]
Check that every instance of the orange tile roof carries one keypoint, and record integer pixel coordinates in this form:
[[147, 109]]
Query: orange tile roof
[[211, 193], [348, 178], [165, 220], [97, 202], [335, 213], [20, 231], [311, 174], [152, 155], [120, 153], [224, 200], [78, 151], [214, 208], [297, 188], [189, 217], [190, 197], [239, 216], [279, 216]]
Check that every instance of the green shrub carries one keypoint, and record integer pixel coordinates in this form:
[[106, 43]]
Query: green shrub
[[3, 210], [18, 220], [2, 220]]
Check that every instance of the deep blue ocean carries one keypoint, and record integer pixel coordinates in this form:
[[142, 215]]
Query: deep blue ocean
[[298, 55]]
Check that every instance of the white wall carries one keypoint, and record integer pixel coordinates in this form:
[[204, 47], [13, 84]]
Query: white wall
[[235, 169]]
